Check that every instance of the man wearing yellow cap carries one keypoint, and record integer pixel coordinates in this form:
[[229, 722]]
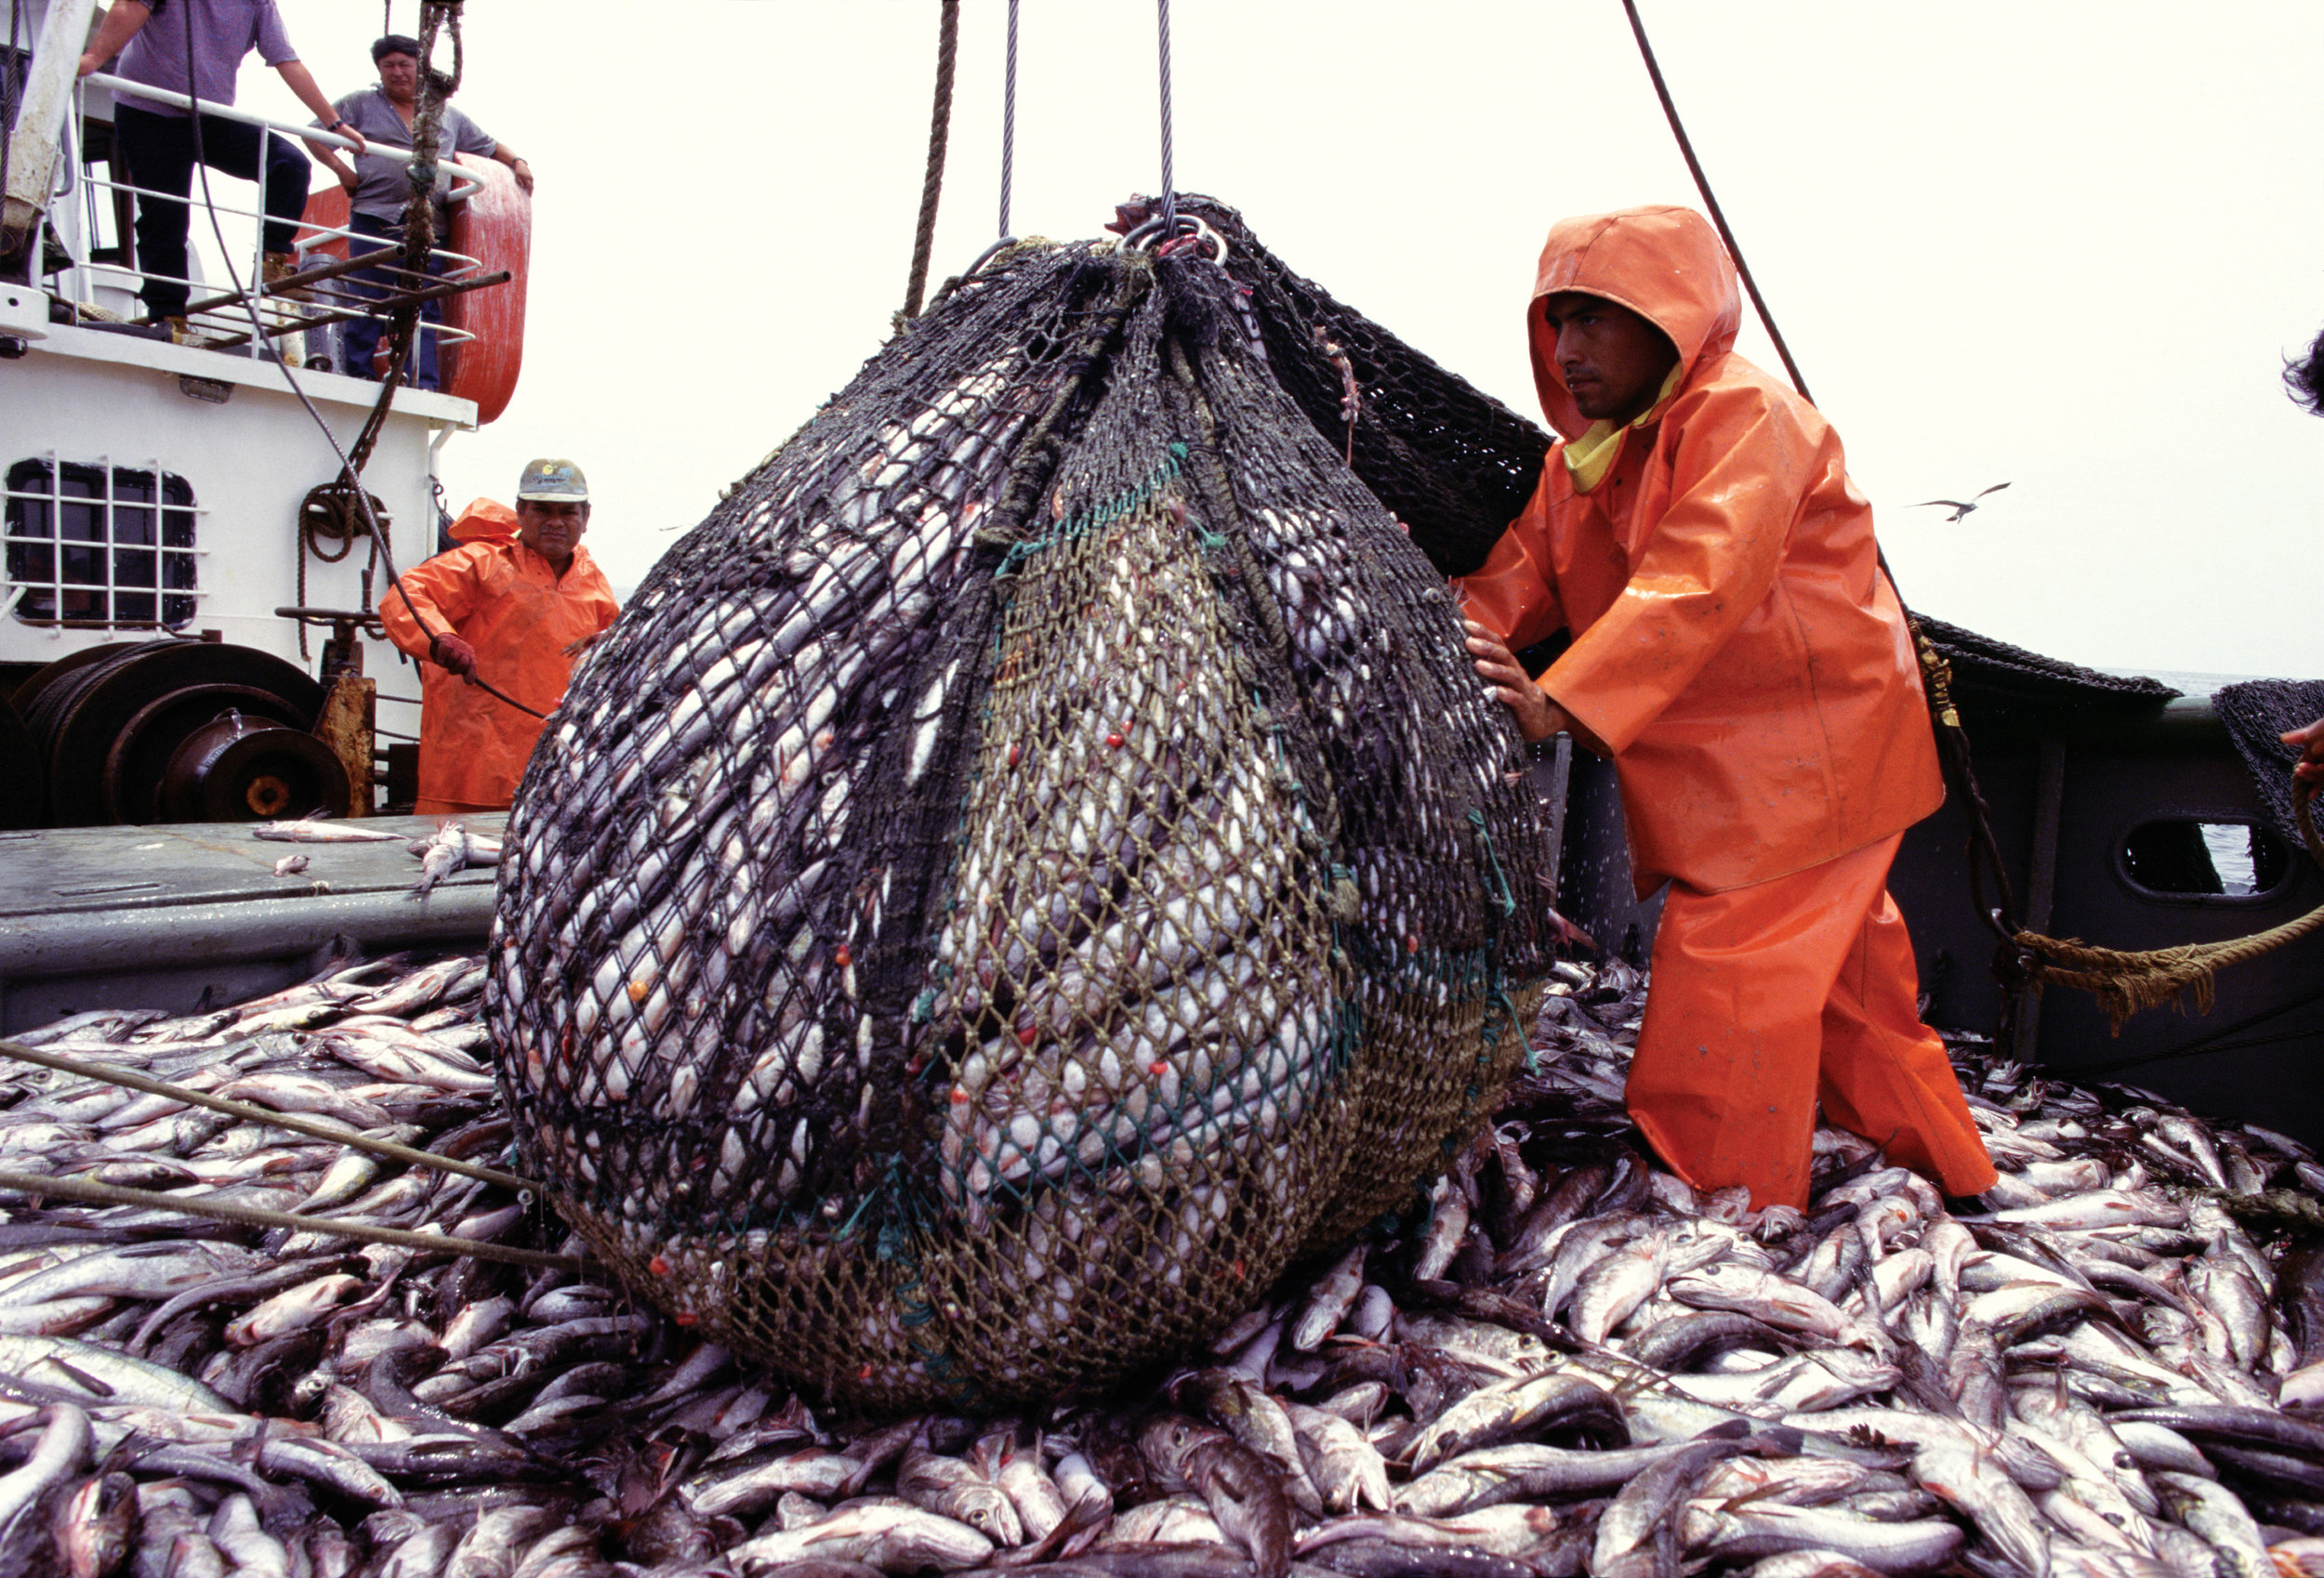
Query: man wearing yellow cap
[[506, 610]]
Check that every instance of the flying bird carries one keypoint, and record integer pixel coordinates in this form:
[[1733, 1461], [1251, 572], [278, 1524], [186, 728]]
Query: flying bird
[[1956, 506]]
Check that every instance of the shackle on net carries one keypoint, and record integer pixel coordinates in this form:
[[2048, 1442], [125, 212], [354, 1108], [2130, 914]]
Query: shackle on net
[[1141, 237]]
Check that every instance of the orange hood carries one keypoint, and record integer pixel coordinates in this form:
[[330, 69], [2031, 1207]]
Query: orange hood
[[484, 521], [1663, 263]]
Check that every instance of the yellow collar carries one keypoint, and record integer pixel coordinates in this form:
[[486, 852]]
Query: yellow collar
[[1590, 456]]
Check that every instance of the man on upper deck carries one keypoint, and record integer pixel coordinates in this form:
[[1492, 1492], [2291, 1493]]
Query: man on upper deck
[[155, 143], [1738, 652], [380, 192], [508, 609]]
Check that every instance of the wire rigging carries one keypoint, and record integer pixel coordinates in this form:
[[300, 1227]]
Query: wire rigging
[[1702, 184], [1009, 120], [1169, 193]]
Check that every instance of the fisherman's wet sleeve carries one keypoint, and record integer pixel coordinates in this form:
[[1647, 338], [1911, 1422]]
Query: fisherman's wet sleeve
[[1741, 469], [443, 590], [1512, 594]]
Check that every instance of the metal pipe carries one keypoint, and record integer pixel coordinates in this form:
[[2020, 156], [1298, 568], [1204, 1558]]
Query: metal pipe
[[370, 310], [117, 940]]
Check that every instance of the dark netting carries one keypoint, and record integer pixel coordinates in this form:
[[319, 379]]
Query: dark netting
[[1449, 461], [1992, 678], [2256, 713], [1033, 862]]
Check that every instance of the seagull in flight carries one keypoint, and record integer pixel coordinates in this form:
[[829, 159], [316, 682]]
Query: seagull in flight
[[1957, 506]]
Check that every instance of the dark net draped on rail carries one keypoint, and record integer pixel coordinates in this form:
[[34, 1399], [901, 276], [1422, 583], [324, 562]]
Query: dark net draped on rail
[[1032, 863]]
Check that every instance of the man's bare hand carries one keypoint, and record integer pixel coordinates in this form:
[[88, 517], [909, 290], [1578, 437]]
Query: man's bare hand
[[1537, 716], [2311, 742]]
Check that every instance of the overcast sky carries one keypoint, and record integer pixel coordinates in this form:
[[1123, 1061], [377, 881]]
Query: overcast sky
[[2061, 247]]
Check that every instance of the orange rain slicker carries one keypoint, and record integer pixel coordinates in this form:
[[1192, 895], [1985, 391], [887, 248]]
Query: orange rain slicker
[[1736, 649], [510, 605]]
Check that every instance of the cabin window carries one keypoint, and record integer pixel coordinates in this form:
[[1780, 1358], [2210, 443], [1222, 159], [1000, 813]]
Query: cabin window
[[2181, 858], [109, 546]]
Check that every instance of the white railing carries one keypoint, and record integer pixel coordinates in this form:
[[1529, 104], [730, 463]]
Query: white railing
[[231, 320]]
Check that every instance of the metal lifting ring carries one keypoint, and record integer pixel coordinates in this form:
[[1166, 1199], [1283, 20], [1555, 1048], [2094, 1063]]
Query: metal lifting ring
[[1188, 224], [988, 255]]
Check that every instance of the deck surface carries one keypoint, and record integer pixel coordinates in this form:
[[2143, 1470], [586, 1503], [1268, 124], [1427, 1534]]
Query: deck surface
[[69, 870]]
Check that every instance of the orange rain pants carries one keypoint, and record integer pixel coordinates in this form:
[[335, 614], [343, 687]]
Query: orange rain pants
[[1769, 998], [1736, 647]]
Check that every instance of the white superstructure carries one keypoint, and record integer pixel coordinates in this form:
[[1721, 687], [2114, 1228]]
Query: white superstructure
[[152, 488]]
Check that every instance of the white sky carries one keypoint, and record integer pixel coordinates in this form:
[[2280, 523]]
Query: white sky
[[1967, 217]]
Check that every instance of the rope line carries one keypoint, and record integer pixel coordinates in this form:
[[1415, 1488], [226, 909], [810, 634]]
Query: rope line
[[108, 1073], [1169, 193], [1702, 184], [86, 1192], [2125, 983], [1009, 120], [939, 131]]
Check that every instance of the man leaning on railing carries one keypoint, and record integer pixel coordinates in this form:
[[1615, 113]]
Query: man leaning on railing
[[379, 187], [156, 144]]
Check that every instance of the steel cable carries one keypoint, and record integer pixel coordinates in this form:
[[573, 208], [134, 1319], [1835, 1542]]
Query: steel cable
[[1169, 193], [1702, 184], [1009, 120]]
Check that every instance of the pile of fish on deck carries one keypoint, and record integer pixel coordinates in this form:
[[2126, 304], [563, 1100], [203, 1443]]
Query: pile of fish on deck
[[1570, 1364]]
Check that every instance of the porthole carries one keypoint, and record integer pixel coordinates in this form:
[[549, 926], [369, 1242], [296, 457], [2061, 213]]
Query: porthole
[[2185, 858], [101, 546]]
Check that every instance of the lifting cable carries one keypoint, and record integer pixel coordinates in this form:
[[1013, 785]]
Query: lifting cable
[[1169, 191], [2123, 982], [1007, 122], [405, 318]]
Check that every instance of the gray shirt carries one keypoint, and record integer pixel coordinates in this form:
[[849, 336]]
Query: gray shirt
[[382, 185], [224, 30]]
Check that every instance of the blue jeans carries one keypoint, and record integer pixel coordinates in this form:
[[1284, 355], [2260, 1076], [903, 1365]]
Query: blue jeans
[[360, 336]]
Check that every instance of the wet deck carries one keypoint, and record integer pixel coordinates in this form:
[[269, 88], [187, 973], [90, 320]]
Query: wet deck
[[156, 916]]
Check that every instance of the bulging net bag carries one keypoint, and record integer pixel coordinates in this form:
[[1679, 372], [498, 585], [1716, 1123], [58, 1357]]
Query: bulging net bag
[[1033, 862]]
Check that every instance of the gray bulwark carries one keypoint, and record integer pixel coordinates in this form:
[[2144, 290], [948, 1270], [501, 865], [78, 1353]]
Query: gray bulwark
[[154, 917]]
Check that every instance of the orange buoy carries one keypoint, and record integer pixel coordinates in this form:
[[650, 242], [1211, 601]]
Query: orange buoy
[[496, 227]]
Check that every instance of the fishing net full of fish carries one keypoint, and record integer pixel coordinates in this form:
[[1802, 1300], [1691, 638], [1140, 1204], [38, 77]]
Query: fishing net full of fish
[[1033, 862]]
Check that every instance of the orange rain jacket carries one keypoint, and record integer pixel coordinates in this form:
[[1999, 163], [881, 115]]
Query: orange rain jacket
[[1734, 644], [510, 603]]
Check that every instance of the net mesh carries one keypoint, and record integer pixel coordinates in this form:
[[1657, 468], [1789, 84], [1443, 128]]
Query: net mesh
[[2257, 713], [1032, 863]]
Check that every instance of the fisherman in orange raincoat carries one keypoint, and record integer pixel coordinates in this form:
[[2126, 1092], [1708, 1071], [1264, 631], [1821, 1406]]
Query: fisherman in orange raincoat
[[1738, 655], [513, 605]]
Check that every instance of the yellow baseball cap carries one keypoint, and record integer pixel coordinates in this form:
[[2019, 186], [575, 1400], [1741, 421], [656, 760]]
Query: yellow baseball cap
[[553, 481]]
